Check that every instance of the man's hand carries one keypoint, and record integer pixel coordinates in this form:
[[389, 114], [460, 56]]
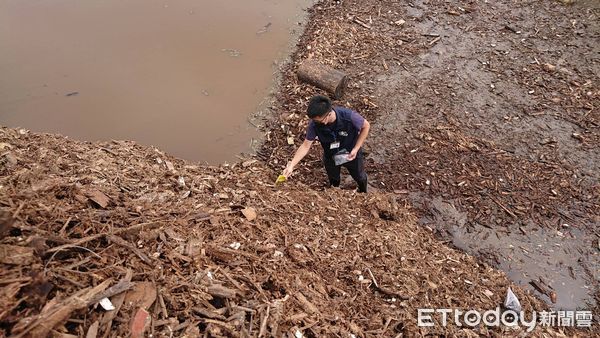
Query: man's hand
[[299, 155], [352, 154], [288, 170]]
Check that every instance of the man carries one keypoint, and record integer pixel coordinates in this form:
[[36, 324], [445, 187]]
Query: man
[[341, 132]]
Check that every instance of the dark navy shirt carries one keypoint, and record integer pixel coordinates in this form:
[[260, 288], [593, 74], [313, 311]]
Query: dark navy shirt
[[345, 130]]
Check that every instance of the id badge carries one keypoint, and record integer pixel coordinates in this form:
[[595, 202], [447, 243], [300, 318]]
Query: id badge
[[334, 145]]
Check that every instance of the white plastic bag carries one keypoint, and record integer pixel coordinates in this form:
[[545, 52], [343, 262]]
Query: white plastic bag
[[341, 157], [512, 302]]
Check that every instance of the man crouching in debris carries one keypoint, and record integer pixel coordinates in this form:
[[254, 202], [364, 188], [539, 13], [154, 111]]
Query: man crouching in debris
[[341, 132]]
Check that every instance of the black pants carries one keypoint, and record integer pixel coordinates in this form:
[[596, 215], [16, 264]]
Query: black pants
[[356, 168]]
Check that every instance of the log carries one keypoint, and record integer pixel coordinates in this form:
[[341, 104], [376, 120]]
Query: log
[[306, 304], [324, 77], [140, 323], [16, 255], [217, 290], [57, 312], [118, 300]]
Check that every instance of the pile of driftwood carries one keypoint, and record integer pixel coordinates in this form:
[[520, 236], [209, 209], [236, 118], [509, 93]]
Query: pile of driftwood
[[115, 239]]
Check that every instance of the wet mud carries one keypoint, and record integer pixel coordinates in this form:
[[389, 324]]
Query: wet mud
[[486, 122]]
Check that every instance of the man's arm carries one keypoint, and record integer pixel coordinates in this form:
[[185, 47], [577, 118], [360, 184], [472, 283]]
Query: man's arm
[[298, 156], [364, 131]]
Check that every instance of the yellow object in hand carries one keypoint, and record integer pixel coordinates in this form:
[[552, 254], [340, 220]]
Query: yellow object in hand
[[281, 179]]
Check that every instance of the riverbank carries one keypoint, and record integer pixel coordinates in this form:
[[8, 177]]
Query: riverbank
[[484, 122], [220, 250]]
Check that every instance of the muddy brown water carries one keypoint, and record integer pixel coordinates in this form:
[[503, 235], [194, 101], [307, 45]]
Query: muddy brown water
[[184, 76]]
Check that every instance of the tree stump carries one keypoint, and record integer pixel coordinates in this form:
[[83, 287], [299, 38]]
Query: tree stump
[[324, 77]]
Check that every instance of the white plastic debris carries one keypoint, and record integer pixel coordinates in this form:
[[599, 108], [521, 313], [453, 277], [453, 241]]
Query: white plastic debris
[[170, 166], [106, 304], [298, 334], [300, 247], [512, 302], [278, 253], [235, 245]]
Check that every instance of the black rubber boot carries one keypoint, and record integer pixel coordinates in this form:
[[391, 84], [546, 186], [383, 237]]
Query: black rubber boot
[[334, 183], [362, 185]]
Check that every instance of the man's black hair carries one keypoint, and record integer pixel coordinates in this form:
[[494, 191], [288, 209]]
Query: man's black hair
[[318, 105]]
